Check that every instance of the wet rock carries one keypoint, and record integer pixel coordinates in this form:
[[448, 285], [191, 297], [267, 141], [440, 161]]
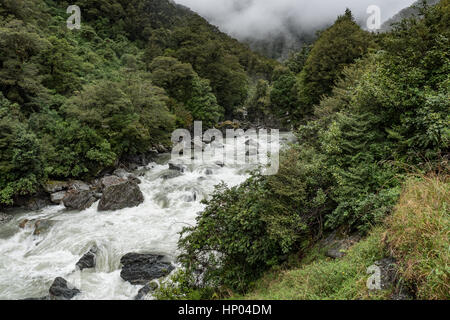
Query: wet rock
[[23, 223], [119, 196], [55, 186], [148, 288], [121, 173], [57, 197], [79, 186], [5, 218], [220, 164], [35, 202], [170, 175], [88, 260], [79, 199], [41, 226], [139, 269], [177, 167], [98, 195], [62, 290], [108, 181]]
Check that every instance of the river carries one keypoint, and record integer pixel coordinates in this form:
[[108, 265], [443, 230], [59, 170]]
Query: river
[[29, 263]]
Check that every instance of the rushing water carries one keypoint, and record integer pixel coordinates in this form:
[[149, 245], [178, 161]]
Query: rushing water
[[30, 263]]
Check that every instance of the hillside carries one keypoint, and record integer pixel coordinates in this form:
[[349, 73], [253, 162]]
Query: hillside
[[75, 102], [405, 13]]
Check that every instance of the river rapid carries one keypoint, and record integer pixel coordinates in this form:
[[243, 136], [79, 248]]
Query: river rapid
[[29, 263]]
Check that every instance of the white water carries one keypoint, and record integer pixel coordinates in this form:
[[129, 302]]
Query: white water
[[29, 263]]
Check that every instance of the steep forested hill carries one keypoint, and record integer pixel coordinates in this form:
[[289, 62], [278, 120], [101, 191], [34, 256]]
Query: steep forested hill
[[406, 13], [73, 102]]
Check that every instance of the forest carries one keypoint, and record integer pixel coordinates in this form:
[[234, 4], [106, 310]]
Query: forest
[[370, 110]]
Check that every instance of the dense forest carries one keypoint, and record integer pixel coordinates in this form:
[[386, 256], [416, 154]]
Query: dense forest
[[369, 109], [73, 102]]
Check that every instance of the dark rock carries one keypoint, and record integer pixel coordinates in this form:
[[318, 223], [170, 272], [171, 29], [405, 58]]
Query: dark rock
[[121, 173], [35, 202], [79, 200], [138, 268], [88, 260], [123, 195], [148, 288], [170, 175], [209, 172], [55, 186], [57, 197], [176, 167], [220, 164], [41, 226], [110, 181], [62, 290], [5, 218]]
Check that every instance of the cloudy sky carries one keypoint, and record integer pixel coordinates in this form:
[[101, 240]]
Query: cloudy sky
[[243, 18]]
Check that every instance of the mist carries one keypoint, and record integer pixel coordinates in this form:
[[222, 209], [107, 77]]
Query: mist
[[259, 18]]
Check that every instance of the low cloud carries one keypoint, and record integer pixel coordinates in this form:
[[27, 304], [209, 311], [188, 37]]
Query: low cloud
[[258, 18]]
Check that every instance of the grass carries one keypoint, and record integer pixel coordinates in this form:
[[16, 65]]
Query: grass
[[416, 234], [324, 278]]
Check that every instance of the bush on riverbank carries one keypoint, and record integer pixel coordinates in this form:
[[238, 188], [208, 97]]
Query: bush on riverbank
[[388, 115], [416, 235]]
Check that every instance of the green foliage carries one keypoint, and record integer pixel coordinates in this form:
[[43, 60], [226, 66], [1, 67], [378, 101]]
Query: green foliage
[[387, 113], [20, 157], [325, 278], [119, 85], [247, 229], [283, 96], [337, 47], [123, 113]]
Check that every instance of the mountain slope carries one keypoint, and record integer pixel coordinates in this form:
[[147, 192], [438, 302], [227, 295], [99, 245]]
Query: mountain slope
[[406, 13]]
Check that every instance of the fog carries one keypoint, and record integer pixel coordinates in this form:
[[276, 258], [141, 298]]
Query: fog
[[257, 18]]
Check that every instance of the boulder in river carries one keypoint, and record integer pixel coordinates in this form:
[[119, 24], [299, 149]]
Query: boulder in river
[[79, 186], [23, 223], [148, 288], [62, 290], [110, 180], [58, 197], [79, 199], [139, 269], [88, 260], [122, 173], [41, 226], [119, 196], [177, 167]]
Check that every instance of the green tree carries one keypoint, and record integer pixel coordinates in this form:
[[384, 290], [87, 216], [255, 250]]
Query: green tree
[[337, 47]]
